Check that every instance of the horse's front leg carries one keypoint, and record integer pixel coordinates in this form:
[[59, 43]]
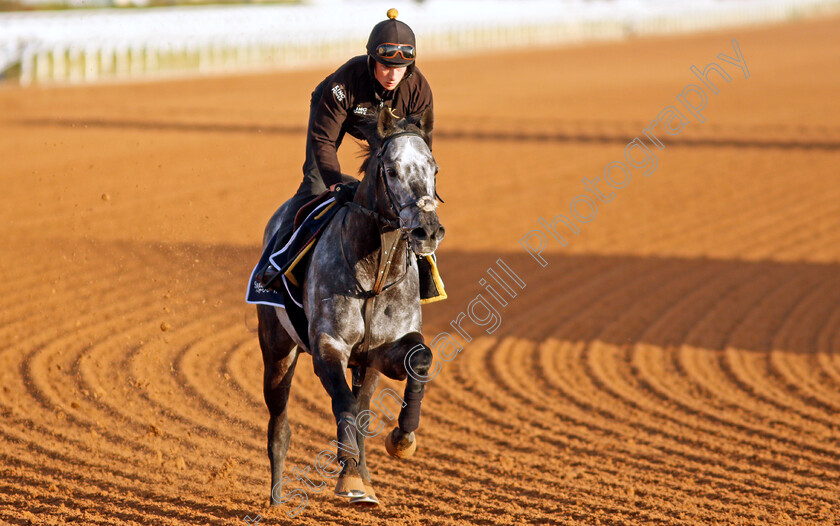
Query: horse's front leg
[[408, 358], [365, 380], [331, 357]]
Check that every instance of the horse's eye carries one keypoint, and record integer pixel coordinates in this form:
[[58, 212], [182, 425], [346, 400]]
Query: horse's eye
[[390, 172]]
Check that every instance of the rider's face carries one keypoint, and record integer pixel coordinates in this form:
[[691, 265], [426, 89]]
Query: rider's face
[[387, 76]]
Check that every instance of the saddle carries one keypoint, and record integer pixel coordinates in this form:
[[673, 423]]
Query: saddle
[[308, 207], [291, 262], [310, 222]]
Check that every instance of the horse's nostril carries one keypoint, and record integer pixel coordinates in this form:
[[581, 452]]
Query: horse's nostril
[[419, 233], [440, 232]]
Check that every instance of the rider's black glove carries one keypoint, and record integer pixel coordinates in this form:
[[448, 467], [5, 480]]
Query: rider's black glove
[[345, 192]]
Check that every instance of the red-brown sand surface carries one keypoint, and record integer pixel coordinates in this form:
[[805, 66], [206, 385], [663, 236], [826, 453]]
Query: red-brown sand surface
[[677, 363]]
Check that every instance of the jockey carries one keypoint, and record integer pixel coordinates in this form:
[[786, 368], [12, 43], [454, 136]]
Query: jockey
[[386, 77]]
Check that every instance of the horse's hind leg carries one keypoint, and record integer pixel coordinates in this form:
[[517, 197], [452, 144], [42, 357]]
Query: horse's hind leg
[[279, 357]]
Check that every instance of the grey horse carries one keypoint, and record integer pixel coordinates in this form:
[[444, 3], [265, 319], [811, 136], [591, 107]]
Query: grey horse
[[361, 298]]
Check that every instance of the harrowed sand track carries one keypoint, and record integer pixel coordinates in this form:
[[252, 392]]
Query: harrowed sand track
[[677, 363]]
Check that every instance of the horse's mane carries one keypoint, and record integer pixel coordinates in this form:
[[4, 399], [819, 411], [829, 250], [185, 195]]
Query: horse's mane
[[374, 141]]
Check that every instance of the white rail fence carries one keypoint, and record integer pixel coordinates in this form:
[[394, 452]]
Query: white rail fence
[[118, 44]]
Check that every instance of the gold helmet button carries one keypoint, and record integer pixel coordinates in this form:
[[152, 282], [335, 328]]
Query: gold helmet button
[[392, 13]]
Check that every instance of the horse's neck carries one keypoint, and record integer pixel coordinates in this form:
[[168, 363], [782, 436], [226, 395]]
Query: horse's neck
[[366, 193], [368, 244], [363, 236]]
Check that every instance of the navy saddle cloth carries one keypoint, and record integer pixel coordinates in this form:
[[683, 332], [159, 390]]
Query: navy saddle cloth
[[291, 261]]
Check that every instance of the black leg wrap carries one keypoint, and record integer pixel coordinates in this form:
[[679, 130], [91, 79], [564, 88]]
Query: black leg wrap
[[409, 419]]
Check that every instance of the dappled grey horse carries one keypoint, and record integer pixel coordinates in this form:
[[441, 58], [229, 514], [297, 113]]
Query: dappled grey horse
[[361, 297]]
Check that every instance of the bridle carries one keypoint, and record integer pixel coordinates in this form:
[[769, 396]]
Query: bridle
[[381, 176], [397, 209]]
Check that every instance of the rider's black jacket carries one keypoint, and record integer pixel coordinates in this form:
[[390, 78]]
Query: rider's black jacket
[[348, 98]]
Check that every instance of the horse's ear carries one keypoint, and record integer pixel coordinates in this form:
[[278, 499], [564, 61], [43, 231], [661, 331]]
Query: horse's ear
[[385, 123], [427, 121]]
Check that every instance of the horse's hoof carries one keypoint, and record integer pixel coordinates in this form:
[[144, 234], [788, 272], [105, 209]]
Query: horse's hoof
[[350, 486], [400, 445], [368, 499]]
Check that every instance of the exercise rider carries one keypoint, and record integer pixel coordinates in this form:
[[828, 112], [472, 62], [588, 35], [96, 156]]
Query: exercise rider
[[385, 78]]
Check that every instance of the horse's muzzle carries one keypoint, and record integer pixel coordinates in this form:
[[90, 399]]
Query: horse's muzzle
[[426, 234]]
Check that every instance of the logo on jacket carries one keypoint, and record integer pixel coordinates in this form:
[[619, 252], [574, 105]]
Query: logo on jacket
[[338, 92], [360, 111]]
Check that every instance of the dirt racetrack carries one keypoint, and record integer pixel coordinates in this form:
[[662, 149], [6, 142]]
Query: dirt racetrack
[[677, 363]]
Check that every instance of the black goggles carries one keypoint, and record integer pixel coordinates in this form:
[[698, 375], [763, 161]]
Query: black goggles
[[388, 50]]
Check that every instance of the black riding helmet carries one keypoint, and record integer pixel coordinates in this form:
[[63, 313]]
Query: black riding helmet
[[392, 43]]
